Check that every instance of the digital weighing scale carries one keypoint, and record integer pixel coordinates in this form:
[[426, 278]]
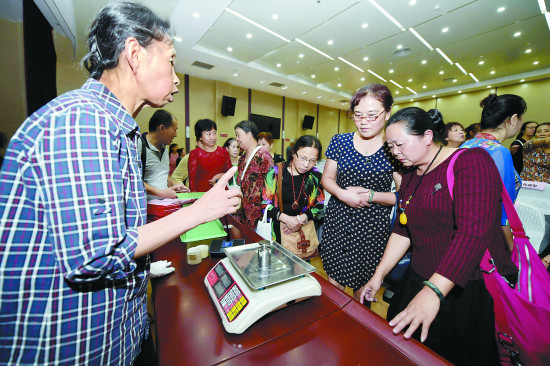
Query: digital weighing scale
[[255, 279]]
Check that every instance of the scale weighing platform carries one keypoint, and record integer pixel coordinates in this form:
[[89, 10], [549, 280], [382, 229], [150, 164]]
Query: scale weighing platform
[[255, 279]]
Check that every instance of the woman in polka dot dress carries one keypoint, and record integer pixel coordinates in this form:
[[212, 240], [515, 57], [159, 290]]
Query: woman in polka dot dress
[[358, 174]]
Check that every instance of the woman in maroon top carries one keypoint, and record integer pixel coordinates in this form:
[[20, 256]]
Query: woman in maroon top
[[443, 291], [207, 162]]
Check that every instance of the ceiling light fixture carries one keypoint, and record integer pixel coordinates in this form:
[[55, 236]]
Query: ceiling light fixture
[[235, 74], [412, 2], [318, 97], [412, 100], [455, 80], [391, 71], [421, 39], [304, 92], [441, 72], [330, 42], [349, 63], [410, 80], [397, 92], [522, 80], [365, 58], [535, 63], [336, 68], [412, 91], [493, 72], [473, 77], [528, 50], [196, 15], [177, 39], [445, 30], [547, 15], [388, 15], [378, 76], [488, 86], [339, 85], [542, 7], [229, 49], [301, 55], [314, 49], [256, 24], [399, 46], [424, 86], [461, 68], [501, 9], [444, 56], [424, 62], [460, 92], [517, 34], [394, 83], [434, 96], [248, 35], [481, 62], [362, 79], [275, 17], [313, 76], [364, 25], [279, 65]]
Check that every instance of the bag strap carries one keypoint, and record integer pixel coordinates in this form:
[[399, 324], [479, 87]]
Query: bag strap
[[249, 160], [280, 185], [513, 218], [264, 219]]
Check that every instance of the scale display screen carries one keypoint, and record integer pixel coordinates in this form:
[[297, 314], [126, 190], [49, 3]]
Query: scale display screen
[[229, 295]]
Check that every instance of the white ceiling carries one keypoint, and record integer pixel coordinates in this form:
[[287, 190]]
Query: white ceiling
[[477, 32]]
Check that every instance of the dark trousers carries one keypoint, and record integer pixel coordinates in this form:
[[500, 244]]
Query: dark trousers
[[464, 329]]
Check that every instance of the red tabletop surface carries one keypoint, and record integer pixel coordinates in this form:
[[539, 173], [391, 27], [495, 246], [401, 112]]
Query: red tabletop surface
[[189, 330]]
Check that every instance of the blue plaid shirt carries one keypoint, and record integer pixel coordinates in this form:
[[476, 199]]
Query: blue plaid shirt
[[71, 200]]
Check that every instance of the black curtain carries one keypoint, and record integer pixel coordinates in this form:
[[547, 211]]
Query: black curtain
[[40, 58]]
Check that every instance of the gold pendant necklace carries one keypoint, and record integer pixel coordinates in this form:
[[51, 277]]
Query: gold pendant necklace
[[402, 215]]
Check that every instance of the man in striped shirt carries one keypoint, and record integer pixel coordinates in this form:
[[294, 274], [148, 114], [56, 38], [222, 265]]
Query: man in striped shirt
[[73, 241]]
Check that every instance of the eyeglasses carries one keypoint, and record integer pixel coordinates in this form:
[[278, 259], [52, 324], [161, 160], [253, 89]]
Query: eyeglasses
[[303, 159], [369, 117]]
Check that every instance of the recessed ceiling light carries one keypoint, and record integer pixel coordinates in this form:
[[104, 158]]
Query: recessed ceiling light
[[318, 97], [313, 76], [535, 63], [196, 15], [301, 55], [460, 92], [177, 39], [235, 74], [517, 34], [412, 100], [501, 9], [522, 80], [397, 92], [488, 86], [481, 62], [336, 68], [391, 71], [424, 86], [528, 50], [433, 96], [362, 79], [445, 30], [248, 35], [493, 72], [365, 58], [339, 85], [275, 16], [304, 92], [412, 2], [455, 80], [441, 72], [279, 65], [410, 80], [262, 81], [424, 62], [399, 46], [229, 49], [284, 87], [330, 42], [364, 25]]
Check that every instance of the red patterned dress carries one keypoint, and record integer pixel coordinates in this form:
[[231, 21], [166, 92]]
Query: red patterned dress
[[203, 165]]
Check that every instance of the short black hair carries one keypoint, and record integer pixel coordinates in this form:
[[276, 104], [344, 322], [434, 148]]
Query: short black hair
[[160, 117], [248, 126], [202, 125], [307, 141], [498, 108]]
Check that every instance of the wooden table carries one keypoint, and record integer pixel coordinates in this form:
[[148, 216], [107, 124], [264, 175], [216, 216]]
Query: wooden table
[[328, 329]]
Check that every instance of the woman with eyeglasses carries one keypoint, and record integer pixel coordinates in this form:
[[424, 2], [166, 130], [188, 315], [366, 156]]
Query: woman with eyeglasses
[[302, 193], [359, 173]]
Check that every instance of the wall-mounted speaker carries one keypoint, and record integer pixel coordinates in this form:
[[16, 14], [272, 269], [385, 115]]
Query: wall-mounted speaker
[[308, 122], [228, 106]]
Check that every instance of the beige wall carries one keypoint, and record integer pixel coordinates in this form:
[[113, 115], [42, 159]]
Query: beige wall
[[13, 107]]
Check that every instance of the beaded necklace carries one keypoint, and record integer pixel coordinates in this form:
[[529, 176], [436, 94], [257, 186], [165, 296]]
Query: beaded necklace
[[402, 216], [295, 205]]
